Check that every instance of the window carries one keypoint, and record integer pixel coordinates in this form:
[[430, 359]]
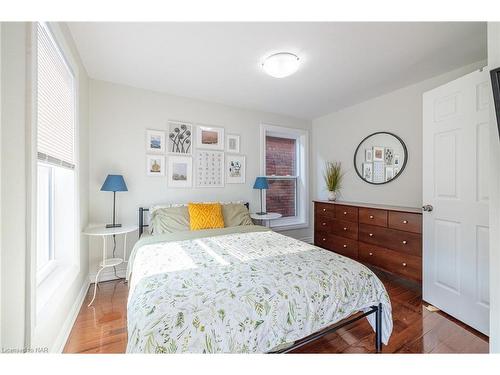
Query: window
[[55, 113], [284, 163]]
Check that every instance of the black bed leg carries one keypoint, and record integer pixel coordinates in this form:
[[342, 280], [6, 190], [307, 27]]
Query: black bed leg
[[378, 329]]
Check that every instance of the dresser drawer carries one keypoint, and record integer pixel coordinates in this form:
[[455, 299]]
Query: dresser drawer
[[405, 242], [322, 239], [373, 216], [344, 246], [324, 209], [322, 223], [347, 213], [401, 264], [405, 221], [345, 229]]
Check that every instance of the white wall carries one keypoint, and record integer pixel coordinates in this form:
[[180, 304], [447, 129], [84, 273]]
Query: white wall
[[13, 190], [119, 117], [336, 136], [16, 303], [494, 62]]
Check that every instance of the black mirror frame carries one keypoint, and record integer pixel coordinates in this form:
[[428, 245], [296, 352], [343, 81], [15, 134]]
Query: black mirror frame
[[400, 171]]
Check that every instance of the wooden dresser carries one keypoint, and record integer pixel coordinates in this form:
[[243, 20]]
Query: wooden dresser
[[387, 237]]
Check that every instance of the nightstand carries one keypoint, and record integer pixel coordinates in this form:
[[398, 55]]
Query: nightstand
[[267, 217], [109, 262]]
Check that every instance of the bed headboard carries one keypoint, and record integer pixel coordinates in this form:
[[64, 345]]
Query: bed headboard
[[143, 225]]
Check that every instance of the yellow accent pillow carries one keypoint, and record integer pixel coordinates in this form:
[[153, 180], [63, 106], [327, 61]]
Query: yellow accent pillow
[[205, 216]]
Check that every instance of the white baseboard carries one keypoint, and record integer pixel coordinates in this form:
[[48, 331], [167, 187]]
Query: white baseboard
[[63, 336]]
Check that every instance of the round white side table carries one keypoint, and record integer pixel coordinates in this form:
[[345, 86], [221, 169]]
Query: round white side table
[[267, 217], [104, 232]]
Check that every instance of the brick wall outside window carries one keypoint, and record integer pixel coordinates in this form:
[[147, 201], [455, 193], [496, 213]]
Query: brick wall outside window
[[281, 161]]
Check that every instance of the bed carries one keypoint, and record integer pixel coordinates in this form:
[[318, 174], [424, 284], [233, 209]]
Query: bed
[[244, 289]]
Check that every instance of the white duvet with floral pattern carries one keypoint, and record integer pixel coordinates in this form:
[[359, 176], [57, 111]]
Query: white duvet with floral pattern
[[242, 293]]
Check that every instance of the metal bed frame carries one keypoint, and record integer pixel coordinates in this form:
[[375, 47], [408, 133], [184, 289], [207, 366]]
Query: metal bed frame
[[376, 309]]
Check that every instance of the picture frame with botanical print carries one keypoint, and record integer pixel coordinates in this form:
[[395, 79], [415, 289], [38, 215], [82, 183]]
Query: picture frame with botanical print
[[180, 171], [378, 153], [209, 137], [388, 156], [155, 141], [233, 143], [369, 155], [368, 171], [235, 169], [180, 138], [155, 165], [389, 173]]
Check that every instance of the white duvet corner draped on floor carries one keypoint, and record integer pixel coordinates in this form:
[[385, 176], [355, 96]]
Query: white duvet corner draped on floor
[[241, 290]]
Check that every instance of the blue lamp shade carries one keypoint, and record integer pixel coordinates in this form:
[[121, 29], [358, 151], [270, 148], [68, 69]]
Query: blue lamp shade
[[261, 183], [114, 182]]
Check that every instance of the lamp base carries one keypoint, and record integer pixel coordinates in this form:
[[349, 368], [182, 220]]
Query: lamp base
[[113, 225], [261, 213]]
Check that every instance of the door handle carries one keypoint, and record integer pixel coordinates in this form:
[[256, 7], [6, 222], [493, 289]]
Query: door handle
[[427, 208]]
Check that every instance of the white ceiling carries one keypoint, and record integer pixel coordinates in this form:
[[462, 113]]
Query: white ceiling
[[341, 63]]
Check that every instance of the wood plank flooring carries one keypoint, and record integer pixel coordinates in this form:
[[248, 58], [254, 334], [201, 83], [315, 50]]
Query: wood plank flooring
[[102, 328]]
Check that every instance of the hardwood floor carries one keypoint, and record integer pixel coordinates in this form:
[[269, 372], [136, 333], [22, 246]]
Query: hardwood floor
[[102, 328]]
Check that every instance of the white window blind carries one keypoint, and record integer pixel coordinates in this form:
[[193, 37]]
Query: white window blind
[[55, 102]]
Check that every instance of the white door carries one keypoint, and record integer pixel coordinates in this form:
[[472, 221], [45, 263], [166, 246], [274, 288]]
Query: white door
[[455, 184]]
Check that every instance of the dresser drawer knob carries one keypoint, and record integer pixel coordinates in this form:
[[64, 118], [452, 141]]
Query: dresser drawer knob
[[371, 216], [371, 234], [323, 224], [345, 246], [324, 239], [345, 212], [405, 221], [324, 209], [404, 242], [370, 254], [345, 228], [404, 264]]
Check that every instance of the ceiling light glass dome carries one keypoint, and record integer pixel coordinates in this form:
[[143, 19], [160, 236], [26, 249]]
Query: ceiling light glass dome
[[281, 64]]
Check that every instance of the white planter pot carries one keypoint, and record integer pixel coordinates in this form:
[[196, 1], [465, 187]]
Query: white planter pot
[[332, 195]]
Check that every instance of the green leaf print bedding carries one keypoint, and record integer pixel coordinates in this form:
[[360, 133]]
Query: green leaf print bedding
[[241, 290]]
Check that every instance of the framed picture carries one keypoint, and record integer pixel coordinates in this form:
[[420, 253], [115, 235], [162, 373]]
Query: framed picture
[[155, 141], [209, 168], [233, 143], [378, 153], [368, 171], [210, 137], [378, 171], [235, 169], [397, 160], [155, 165], [388, 156], [389, 173], [180, 138], [180, 171], [369, 155]]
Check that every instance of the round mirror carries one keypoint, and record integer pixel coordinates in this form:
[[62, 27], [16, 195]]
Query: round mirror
[[380, 158]]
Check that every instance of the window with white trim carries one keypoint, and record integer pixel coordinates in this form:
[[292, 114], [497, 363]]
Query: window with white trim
[[54, 115], [284, 162]]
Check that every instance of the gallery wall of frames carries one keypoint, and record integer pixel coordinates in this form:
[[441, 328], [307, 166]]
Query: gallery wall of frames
[[194, 155]]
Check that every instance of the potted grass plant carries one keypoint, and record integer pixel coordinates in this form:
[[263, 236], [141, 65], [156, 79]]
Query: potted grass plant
[[333, 176]]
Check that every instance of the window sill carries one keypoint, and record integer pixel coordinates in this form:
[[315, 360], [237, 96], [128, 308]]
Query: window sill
[[54, 284]]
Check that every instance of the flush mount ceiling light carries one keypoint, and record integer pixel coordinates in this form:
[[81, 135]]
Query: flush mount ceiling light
[[281, 64]]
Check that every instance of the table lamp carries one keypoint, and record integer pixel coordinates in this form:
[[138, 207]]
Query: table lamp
[[114, 183], [261, 184]]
